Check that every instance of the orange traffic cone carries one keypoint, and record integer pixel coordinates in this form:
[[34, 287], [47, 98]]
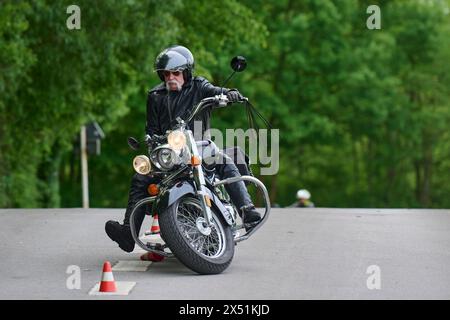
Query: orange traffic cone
[[107, 284], [150, 256], [155, 225]]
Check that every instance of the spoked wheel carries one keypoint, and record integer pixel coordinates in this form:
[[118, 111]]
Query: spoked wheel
[[202, 248]]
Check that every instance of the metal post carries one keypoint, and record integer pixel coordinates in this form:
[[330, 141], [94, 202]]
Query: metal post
[[84, 168]]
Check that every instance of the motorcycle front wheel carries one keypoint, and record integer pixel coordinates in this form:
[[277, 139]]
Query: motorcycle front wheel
[[203, 249]]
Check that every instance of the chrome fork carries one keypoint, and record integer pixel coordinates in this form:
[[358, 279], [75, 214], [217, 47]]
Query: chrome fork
[[199, 179]]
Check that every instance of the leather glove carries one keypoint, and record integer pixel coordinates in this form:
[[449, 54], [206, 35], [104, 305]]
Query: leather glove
[[234, 96]]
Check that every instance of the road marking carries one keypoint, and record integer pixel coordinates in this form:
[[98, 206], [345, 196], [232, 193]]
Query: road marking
[[131, 265], [152, 238], [123, 289]]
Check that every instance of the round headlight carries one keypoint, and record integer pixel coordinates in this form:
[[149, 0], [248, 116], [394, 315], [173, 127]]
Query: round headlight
[[141, 164], [177, 140], [166, 158]]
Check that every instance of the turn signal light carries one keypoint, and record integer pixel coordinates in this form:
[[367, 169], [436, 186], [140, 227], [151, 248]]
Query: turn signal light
[[153, 189], [195, 161]]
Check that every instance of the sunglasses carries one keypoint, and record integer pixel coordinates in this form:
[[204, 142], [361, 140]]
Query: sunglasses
[[175, 73]]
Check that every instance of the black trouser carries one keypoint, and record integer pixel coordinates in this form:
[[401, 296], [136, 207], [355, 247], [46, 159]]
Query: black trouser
[[225, 168]]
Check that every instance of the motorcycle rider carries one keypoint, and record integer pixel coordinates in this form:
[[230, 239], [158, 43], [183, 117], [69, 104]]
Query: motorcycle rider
[[174, 97]]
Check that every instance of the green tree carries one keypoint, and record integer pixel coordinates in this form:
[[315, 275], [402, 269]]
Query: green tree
[[362, 113], [194, 24], [66, 78]]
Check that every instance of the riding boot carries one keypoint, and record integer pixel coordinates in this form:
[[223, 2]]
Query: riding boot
[[121, 233], [240, 197]]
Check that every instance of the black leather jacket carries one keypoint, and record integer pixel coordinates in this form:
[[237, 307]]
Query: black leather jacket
[[163, 106]]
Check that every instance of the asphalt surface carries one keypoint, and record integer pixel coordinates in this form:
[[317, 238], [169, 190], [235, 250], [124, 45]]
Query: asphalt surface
[[298, 254]]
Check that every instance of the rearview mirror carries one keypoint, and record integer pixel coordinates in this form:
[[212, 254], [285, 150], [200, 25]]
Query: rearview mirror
[[238, 63], [133, 143]]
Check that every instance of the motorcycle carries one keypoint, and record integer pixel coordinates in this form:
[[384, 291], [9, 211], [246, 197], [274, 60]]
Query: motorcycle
[[198, 222]]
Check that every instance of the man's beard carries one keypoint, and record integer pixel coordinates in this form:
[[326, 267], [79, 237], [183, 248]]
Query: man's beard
[[168, 83]]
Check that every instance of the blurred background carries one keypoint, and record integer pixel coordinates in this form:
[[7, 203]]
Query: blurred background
[[363, 114]]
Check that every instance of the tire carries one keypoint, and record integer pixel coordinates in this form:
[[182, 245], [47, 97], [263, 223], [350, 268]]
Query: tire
[[204, 254]]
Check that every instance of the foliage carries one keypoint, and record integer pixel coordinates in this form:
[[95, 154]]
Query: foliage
[[363, 114]]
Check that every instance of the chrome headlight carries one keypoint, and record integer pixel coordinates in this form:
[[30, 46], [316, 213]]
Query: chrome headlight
[[176, 140], [165, 158], [141, 164]]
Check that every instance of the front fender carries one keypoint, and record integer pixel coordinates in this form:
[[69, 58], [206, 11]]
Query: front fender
[[182, 188]]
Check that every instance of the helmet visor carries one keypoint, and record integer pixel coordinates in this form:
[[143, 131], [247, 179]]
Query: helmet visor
[[170, 61]]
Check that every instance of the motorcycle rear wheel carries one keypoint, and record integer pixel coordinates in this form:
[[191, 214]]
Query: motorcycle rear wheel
[[185, 232]]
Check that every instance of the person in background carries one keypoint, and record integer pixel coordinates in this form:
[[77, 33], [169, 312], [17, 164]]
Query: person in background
[[303, 200]]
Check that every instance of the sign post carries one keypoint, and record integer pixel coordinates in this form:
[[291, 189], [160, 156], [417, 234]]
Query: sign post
[[84, 168], [90, 140]]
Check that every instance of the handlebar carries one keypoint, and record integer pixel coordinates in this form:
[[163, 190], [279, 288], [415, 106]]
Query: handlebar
[[219, 100]]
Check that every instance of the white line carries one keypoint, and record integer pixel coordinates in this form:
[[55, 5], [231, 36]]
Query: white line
[[131, 265]]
